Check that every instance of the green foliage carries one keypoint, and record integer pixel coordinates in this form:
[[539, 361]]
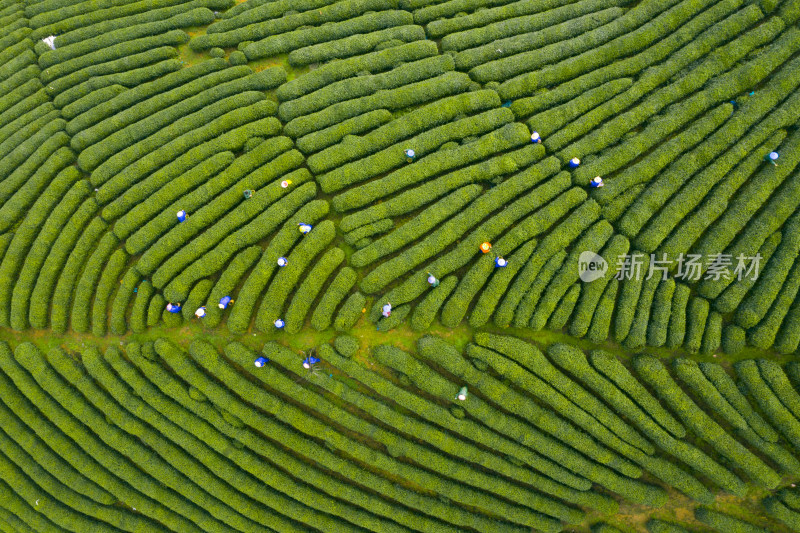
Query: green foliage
[[318, 140], [334, 294], [305, 295], [393, 156], [447, 162], [413, 94], [655, 374], [279, 246], [725, 522], [384, 60], [358, 86], [237, 58], [302, 38], [350, 312], [659, 526], [251, 222], [81, 305], [275, 298], [346, 345], [425, 311]]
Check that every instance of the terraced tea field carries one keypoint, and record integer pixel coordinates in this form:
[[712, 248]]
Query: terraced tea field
[[400, 265]]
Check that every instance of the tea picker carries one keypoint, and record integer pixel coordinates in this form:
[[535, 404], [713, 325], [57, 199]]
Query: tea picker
[[261, 361], [247, 194], [224, 302], [181, 215], [311, 360], [574, 162], [772, 157], [282, 262], [596, 182], [462, 393], [410, 154], [432, 281], [500, 262], [536, 138], [279, 323], [201, 312], [304, 228], [174, 308], [387, 310], [485, 247]]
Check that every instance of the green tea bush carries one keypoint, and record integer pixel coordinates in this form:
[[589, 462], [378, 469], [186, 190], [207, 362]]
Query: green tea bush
[[94, 124], [138, 74], [655, 374], [572, 225], [446, 356], [95, 98], [459, 228], [114, 32], [305, 295], [363, 24], [380, 61], [512, 28], [80, 214], [659, 526], [350, 312], [146, 222], [355, 45], [319, 140], [279, 246], [413, 94], [447, 162], [274, 299], [427, 221], [449, 23], [725, 522], [254, 26], [346, 345], [770, 404], [393, 156], [332, 297], [781, 512], [228, 280], [247, 225], [419, 124]]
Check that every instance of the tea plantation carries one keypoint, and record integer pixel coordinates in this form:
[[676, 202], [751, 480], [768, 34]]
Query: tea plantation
[[400, 266]]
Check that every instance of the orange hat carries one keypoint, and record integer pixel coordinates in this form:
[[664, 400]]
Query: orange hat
[[485, 247]]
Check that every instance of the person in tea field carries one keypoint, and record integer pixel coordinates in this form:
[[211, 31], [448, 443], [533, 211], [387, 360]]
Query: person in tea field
[[387, 310], [574, 162], [536, 138], [432, 281], [596, 182], [173, 308], [201, 312], [311, 360], [282, 262], [500, 262], [410, 154], [772, 157], [304, 228], [485, 247], [224, 302], [279, 323], [181, 215], [261, 361]]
